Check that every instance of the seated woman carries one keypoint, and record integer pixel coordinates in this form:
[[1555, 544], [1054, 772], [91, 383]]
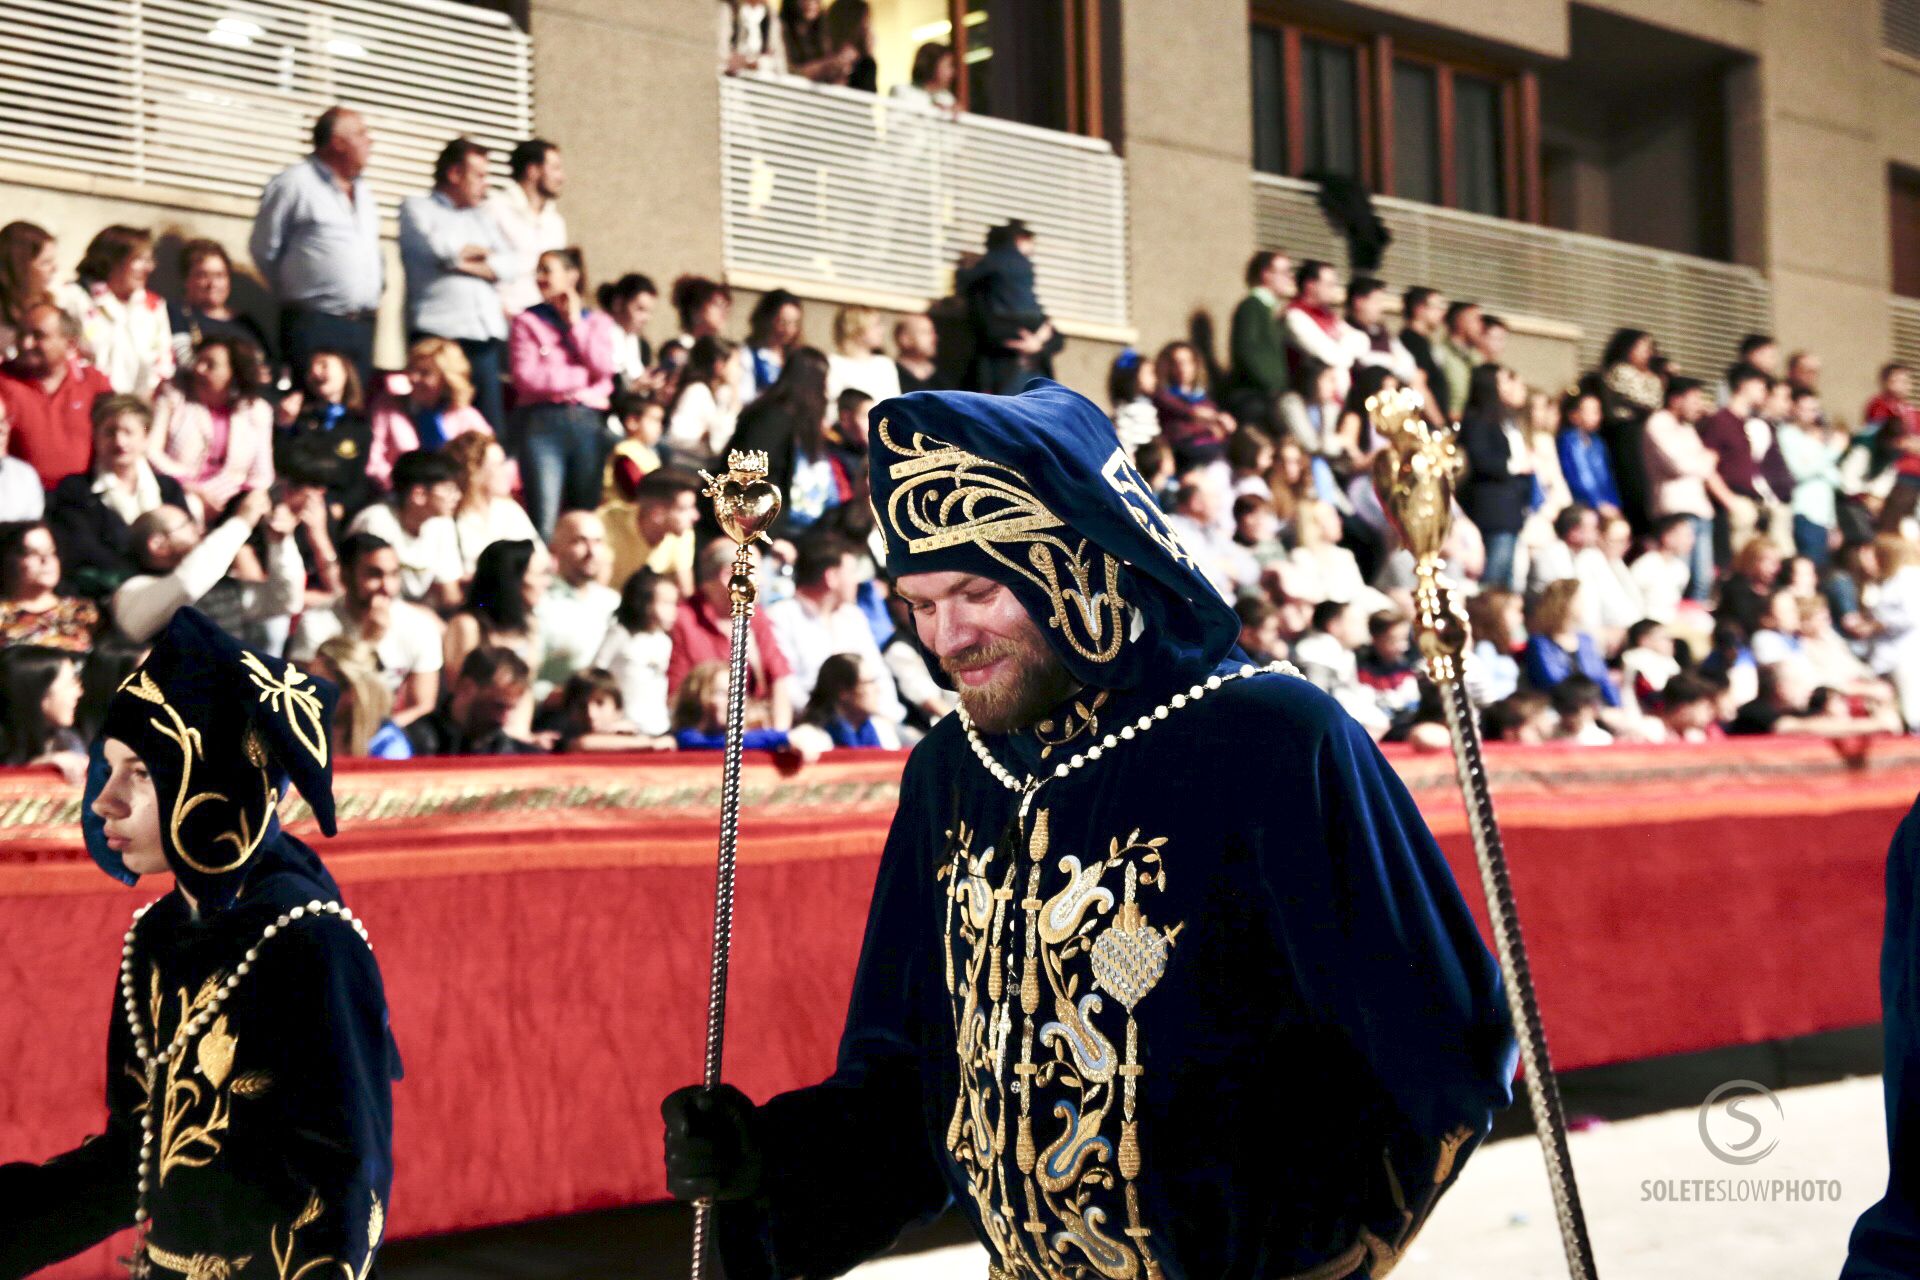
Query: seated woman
[[214, 434], [787, 424], [509, 581], [32, 610], [638, 648], [844, 704], [39, 701], [425, 408], [361, 723], [205, 310], [1498, 623], [1193, 424], [1556, 647], [700, 719], [487, 513]]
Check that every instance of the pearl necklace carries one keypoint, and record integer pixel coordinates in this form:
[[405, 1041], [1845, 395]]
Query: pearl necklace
[[1127, 732], [154, 1061]]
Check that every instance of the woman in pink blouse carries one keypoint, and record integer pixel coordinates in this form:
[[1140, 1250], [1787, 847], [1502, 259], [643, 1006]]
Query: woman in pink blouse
[[215, 435], [430, 405], [561, 354]]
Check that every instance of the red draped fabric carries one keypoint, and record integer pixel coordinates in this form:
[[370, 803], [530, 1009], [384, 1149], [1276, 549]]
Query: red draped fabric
[[543, 927]]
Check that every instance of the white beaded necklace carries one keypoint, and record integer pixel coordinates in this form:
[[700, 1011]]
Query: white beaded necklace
[[155, 1061], [1127, 733]]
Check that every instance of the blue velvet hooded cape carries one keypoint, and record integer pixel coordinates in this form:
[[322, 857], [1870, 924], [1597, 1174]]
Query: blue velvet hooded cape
[[1208, 1008], [275, 1136]]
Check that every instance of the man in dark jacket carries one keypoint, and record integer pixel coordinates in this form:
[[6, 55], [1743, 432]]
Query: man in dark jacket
[[473, 720], [1257, 347], [1758, 477], [1013, 339]]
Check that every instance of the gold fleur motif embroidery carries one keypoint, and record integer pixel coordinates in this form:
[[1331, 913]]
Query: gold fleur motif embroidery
[[946, 497], [283, 1254], [293, 699]]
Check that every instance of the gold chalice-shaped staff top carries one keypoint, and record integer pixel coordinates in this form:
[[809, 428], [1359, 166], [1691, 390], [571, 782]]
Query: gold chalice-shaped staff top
[[1415, 475]]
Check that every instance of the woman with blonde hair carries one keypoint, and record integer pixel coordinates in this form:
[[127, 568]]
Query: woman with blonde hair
[[1319, 568], [859, 358], [487, 512], [431, 404], [361, 724], [1558, 648]]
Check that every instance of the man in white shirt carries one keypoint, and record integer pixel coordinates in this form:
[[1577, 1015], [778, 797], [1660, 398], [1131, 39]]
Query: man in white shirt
[[417, 522], [576, 610], [179, 567], [1328, 655], [821, 619], [1314, 327], [527, 212], [1195, 519], [405, 637]]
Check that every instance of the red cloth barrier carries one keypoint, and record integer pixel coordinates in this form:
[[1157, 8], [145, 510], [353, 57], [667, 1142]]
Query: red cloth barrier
[[543, 927]]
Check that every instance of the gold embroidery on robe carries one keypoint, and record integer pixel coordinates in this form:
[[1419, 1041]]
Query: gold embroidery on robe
[[283, 1254], [1077, 963], [1080, 720], [244, 839]]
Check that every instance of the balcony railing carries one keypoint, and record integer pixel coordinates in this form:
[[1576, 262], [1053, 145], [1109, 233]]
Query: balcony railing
[[1697, 309], [216, 100], [848, 195], [1906, 330]]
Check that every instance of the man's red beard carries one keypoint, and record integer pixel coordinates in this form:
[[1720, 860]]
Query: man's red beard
[[1031, 682]]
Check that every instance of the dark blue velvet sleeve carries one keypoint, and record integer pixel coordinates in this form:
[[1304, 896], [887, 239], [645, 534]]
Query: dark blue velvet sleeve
[[848, 1162], [1886, 1240], [1386, 953]]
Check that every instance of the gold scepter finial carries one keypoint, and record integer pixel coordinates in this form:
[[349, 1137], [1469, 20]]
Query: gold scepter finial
[[1415, 476], [746, 504]]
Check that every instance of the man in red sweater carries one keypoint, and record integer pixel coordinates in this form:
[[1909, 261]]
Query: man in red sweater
[[49, 393]]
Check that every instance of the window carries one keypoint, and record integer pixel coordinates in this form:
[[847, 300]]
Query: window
[[1416, 132], [1477, 154], [1904, 188], [1330, 107], [1405, 120]]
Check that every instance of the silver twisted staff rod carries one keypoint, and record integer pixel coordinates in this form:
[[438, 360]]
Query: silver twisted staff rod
[[1415, 475], [745, 504]]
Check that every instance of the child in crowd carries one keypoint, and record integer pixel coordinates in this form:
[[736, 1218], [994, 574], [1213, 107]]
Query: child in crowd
[[1260, 629], [1386, 666], [637, 649], [700, 719], [1257, 528], [845, 702], [1576, 700], [641, 418], [1778, 637], [1526, 717], [1646, 664], [593, 717], [1690, 708], [1131, 384]]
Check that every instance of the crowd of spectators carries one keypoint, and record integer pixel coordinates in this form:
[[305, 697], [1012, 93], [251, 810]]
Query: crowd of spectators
[[498, 548], [1649, 554]]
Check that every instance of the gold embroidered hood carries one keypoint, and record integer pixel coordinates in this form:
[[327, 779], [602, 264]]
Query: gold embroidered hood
[[1036, 492], [221, 730]]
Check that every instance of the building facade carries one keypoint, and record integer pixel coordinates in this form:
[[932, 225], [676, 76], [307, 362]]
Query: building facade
[[1698, 168]]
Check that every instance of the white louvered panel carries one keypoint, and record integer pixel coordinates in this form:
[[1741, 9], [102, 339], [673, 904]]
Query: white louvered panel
[[1697, 309], [1900, 26], [219, 99], [1906, 330], [842, 189]]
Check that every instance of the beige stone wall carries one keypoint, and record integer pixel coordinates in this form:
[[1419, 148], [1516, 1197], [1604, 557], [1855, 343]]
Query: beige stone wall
[[627, 88], [1189, 150]]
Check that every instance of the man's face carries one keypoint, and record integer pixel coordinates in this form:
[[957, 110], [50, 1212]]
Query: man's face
[[1370, 308], [580, 549], [1691, 405], [1806, 411], [467, 181], [489, 706], [1468, 325], [1900, 384], [1585, 532], [209, 284], [1006, 674], [351, 144], [1324, 288], [1765, 358], [130, 809], [119, 441], [1805, 370], [44, 345], [853, 423], [1277, 279], [168, 545], [1391, 644], [916, 337], [550, 175], [375, 581], [1432, 311], [1493, 341], [842, 582]]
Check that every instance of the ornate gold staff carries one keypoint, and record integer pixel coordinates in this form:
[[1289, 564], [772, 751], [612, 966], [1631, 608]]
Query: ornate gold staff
[[746, 503], [1415, 475]]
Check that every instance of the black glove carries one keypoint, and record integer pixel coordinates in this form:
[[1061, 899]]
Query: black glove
[[712, 1151]]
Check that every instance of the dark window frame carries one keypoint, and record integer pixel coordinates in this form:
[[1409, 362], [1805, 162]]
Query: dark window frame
[[1083, 40], [1518, 106]]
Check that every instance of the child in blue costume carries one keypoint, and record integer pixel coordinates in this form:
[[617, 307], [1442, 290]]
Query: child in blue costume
[[249, 1061]]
